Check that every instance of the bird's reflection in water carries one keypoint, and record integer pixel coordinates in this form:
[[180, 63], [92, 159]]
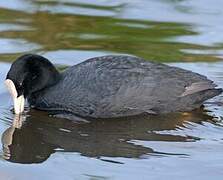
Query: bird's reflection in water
[[40, 135]]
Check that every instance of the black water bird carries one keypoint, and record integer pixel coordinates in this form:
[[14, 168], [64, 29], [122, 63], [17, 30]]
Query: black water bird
[[106, 87]]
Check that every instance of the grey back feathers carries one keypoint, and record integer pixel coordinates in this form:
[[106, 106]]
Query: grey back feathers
[[115, 86]]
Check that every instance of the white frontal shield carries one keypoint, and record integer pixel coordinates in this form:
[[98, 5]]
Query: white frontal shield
[[19, 102]]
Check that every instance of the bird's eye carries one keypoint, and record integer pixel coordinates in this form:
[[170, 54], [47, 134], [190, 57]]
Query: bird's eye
[[34, 77], [20, 84]]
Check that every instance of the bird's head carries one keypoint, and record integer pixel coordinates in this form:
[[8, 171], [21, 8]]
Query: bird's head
[[29, 74]]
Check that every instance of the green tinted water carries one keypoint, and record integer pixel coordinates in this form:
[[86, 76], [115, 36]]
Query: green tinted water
[[186, 33]]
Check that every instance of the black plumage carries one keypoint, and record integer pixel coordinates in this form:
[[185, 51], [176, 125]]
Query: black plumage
[[110, 86]]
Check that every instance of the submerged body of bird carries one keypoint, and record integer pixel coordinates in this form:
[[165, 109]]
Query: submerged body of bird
[[107, 87]]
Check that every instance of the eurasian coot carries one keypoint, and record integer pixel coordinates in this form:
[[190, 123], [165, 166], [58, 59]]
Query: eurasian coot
[[106, 87]]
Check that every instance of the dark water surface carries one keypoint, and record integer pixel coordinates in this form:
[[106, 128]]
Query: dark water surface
[[183, 33]]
